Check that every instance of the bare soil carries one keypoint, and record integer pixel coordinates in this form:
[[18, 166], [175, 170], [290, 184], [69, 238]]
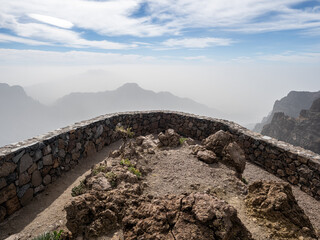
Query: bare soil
[[174, 171]]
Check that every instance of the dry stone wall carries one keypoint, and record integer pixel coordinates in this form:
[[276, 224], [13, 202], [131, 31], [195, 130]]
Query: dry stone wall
[[26, 168]]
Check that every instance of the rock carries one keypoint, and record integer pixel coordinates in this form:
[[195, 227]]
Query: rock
[[3, 183], [233, 156], [196, 216], [32, 168], [303, 131], [22, 190], [47, 179], [207, 156], [27, 197], [275, 202], [7, 168], [216, 142], [7, 193], [39, 189], [47, 150], [3, 213], [25, 162], [36, 178], [101, 184], [169, 138], [24, 178], [47, 160], [17, 157], [90, 148], [99, 131], [12, 205], [37, 155]]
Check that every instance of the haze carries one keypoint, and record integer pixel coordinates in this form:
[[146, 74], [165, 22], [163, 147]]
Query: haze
[[237, 56]]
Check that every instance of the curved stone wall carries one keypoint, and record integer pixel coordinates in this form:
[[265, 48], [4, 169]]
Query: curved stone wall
[[26, 168]]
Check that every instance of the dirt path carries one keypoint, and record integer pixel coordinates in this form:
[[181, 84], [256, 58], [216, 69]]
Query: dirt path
[[46, 211]]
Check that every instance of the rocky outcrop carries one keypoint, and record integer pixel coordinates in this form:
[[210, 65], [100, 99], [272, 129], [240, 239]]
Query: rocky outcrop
[[222, 147], [291, 105], [274, 204], [112, 199], [303, 131], [196, 216], [169, 138]]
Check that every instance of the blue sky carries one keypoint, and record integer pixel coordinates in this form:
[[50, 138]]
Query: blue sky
[[214, 30], [264, 48]]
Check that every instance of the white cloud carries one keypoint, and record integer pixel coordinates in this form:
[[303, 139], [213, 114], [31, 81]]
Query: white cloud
[[116, 17], [70, 58], [9, 38], [197, 42], [52, 20], [196, 58], [292, 57]]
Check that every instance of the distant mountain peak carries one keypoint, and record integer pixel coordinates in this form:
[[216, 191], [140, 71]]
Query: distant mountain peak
[[129, 86]]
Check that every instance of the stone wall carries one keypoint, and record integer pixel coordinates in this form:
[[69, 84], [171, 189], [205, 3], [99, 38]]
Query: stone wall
[[26, 168]]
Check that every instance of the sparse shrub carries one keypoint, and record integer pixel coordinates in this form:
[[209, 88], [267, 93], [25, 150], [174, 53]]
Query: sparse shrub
[[78, 190], [244, 181], [112, 178], [182, 140], [126, 162], [135, 171], [50, 236], [98, 169], [127, 132]]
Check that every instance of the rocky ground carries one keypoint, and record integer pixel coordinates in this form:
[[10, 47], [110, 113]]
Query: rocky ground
[[169, 187]]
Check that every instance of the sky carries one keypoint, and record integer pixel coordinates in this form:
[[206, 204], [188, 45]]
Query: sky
[[238, 56]]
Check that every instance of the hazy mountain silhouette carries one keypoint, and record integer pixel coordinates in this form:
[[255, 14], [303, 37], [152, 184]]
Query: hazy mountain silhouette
[[25, 117], [21, 116], [291, 105]]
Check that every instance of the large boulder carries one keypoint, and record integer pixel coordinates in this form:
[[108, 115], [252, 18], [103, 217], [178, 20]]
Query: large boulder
[[273, 202], [216, 142], [169, 138], [233, 156]]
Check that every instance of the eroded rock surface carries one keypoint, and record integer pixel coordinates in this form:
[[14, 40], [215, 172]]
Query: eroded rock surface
[[274, 204], [169, 138]]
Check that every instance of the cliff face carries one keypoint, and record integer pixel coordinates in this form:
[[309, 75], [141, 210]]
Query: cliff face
[[303, 131], [291, 105]]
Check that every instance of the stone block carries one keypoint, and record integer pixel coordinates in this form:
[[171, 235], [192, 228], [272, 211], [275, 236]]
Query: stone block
[[22, 190], [18, 157], [47, 180], [25, 162], [47, 160], [24, 178], [36, 178], [7, 168], [27, 197], [32, 168], [3, 213], [3, 183], [7, 193], [12, 205]]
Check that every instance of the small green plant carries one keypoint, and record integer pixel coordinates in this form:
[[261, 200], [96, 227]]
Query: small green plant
[[126, 162], [127, 132], [50, 236], [78, 190], [135, 171], [98, 169], [244, 181], [112, 178], [182, 140]]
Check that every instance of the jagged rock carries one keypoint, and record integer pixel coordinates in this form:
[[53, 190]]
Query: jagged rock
[[207, 156], [216, 142], [274, 202], [169, 138], [303, 131], [97, 213], [196, 148], [6, 168], [233, 156], [196, 216]]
